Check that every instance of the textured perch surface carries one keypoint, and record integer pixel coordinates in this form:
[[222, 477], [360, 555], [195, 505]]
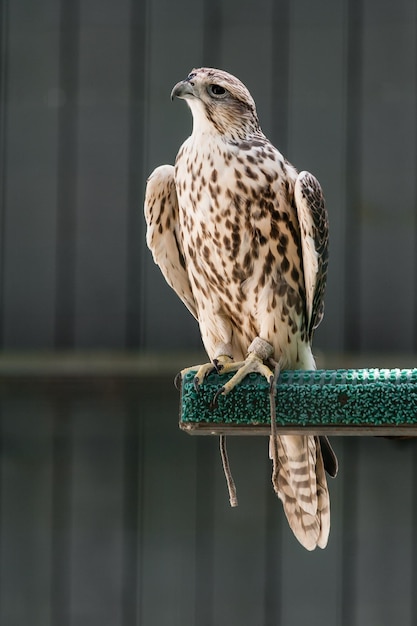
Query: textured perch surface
[[334, 402]]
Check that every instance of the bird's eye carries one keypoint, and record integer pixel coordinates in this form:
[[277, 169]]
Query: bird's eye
[[217, 91]]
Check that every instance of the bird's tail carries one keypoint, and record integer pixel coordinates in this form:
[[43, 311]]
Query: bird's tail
[[299, 480]]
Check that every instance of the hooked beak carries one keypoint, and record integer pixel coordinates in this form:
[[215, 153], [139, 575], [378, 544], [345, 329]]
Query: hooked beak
[[183, 89]]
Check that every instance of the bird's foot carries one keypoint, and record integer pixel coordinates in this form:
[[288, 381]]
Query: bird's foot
[[258, 352], [219, 364]]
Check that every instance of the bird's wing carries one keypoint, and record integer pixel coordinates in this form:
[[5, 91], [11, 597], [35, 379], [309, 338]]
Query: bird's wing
[[163, 237], [312, 217]]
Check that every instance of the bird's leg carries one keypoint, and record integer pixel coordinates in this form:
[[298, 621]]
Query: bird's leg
[[258, 352]]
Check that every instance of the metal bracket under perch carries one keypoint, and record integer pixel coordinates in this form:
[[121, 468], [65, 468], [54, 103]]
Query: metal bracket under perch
[[331, 402]]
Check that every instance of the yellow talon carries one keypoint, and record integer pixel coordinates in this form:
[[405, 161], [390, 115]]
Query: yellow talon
[[252, 364], [259, 351]]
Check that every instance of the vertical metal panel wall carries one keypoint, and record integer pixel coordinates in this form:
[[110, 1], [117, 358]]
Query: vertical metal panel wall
[[85, 116], [108, 514]]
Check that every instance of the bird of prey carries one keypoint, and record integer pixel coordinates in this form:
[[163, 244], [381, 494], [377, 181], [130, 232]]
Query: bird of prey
[[242, 238]]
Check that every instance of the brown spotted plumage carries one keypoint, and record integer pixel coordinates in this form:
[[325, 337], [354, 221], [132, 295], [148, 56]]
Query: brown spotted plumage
[[242, 238]]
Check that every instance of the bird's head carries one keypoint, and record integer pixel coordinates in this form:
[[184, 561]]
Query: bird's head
[[219, 103]]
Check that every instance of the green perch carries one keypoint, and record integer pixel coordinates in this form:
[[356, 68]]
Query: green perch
[[332, 402]]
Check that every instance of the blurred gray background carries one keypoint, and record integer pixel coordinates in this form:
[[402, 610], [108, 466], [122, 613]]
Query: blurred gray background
[[86, 116], [108, 514]]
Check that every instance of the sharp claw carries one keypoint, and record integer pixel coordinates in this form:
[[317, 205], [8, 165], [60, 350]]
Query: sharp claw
[[196, 383], [214, 402], [218, 366], [178, 381]]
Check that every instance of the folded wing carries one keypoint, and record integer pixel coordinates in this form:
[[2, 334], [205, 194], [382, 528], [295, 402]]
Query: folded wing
[[163, 233]]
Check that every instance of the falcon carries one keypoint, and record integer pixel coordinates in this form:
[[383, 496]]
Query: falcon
[[242, 238]]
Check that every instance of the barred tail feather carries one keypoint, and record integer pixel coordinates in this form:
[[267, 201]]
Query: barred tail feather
[[300, 482]]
